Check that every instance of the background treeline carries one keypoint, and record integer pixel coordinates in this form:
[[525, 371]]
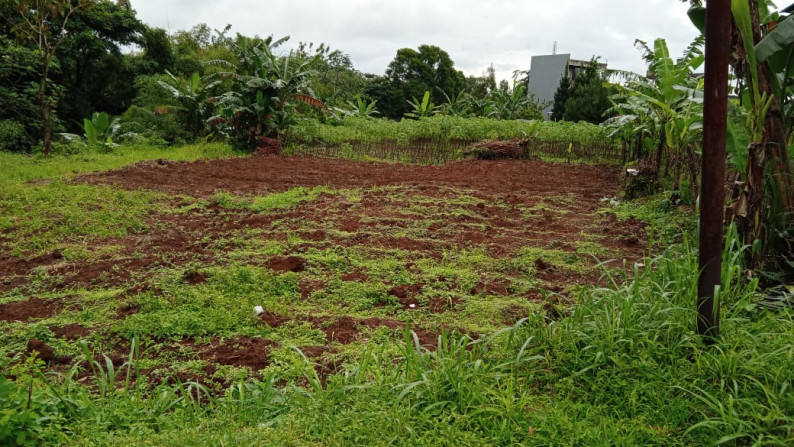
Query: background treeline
[[203, 83]]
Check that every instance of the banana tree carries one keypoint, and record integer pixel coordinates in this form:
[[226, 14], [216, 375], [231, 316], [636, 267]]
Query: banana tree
[[266, 91], [762, 50], [193, 97], [514, 104], [422, 109], [479, 107], [683, 134], [456, 105], [764, 208], [362, 108], [666, 106], [99, 130]]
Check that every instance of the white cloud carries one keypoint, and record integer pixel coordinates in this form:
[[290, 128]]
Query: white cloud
[[475, 33]]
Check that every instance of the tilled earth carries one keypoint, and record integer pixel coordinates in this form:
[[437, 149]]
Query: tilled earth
[[370, 248]]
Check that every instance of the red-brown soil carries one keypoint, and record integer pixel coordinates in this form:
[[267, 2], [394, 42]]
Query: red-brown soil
[[239, 351], [261, 175], [71, 331], [30, 308], [286, 264]]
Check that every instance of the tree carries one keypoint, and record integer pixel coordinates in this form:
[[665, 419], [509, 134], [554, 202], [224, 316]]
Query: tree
[[589, 98], [560, 98], [94, 73], [266, 91], [667, 106], [192, 95], [421, 109], [336, 82], [20, 120], [411, 73], [514, 104], [44, 23], [158, 53], [481, 86]]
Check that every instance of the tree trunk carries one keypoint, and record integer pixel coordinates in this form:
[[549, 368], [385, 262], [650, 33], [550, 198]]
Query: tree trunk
[[659, 153], [677, 173], [693, 175], [46, 115], [773, 147]]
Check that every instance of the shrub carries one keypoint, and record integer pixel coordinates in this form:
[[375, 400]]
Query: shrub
[[13, 136]]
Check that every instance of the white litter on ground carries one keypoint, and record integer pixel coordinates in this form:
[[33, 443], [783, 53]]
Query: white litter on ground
[[258, 310]]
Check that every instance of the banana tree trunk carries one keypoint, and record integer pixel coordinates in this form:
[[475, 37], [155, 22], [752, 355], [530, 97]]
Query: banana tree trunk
[[773, 148], [659, 152], [676, 173], [692, 164]]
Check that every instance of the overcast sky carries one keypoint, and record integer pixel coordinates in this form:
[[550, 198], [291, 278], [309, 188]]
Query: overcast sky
[[506, 33]]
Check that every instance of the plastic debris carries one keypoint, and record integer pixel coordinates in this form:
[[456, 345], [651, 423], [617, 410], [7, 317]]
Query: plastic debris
[[259, 310], [412, 306], [612, 200]]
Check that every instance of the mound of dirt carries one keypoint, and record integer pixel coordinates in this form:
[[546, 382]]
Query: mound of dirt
[[498, 149], [267, 146]]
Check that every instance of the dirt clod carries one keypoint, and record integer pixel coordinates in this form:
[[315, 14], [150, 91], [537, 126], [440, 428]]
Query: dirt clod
[[30, 308], [70, 331], [286, 264], [45, 351], [344, 331]]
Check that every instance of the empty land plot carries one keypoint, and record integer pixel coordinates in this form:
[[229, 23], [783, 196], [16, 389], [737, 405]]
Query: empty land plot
[[341, 256]]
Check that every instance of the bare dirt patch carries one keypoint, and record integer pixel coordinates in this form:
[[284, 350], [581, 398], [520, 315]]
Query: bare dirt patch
[[286, 264], [29, 309], [253, 353], [261, 175], [71, 331]]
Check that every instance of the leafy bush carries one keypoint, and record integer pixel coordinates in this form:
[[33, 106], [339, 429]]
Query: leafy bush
[[138, 125], [13, 136]]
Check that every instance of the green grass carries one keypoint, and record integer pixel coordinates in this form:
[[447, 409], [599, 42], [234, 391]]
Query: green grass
[[53, 214], [22, 168], [625, 368], [271, 202]]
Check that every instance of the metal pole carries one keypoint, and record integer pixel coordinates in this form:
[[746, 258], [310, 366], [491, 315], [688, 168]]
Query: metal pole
[[712, 196]]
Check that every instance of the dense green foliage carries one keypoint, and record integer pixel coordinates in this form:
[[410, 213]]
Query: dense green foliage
[[413, 72], [588, 98], [20, 122], [203, 83], [560, 98]]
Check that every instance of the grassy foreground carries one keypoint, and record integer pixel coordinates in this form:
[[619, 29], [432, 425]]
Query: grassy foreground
[[623, 368]]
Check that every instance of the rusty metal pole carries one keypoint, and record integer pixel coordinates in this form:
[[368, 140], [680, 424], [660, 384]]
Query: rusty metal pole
[[712, 195]]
